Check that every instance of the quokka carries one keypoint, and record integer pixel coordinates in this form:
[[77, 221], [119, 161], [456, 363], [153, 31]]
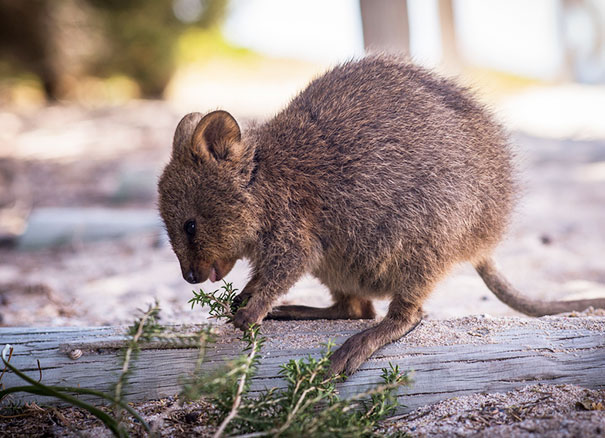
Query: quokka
[[377, 179]]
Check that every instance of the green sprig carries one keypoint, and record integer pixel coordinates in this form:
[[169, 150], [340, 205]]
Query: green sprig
[[219, 302], [308, 406]]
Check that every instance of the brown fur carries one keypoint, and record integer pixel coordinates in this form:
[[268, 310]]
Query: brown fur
[[377, 179]]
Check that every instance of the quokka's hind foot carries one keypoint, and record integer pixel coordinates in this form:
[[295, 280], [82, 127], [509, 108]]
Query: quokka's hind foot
[[354, 352], [345, 308]]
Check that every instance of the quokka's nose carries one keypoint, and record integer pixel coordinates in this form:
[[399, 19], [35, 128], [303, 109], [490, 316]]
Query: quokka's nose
[[190, 277]]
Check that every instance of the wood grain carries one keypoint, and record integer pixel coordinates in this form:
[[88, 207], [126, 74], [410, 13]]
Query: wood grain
[[448, 358]]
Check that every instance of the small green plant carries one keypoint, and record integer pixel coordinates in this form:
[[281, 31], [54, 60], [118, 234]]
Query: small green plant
[[143, 329], [309, 405], [220, 302]]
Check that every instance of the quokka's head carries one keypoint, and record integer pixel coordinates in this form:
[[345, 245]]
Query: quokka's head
[[204, 196]]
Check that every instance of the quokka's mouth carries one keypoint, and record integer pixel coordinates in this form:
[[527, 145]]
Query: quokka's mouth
[[214, 275], [218, 270]]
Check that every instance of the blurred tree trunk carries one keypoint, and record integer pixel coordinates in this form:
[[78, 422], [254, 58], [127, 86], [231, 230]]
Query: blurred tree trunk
[[582, 32], [450, 57], [24, 39], [385, 25]]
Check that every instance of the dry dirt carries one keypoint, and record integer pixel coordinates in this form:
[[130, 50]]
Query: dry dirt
[[75, 157], [561, 411], [532, 411]]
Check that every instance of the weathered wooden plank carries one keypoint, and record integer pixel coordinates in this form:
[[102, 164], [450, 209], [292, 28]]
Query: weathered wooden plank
[[448, 358]]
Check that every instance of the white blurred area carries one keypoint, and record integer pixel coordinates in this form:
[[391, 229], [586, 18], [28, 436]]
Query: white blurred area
[[540, 64], [528, 38], [514, 36], [314, 30]]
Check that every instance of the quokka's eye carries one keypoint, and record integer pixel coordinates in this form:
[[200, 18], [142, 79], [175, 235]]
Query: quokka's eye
[[190, 228]]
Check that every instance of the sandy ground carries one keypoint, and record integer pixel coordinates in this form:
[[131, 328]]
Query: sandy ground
[[532, 411], [561, 411], [66, 156]]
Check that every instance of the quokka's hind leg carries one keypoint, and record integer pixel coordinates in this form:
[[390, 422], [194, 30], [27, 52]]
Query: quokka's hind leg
[[401, 318], [344, 307]]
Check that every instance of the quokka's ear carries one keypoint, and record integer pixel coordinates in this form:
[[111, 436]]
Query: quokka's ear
[[217, 136], [181, 144]]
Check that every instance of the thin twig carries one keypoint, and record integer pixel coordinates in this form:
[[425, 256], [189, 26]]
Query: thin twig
[[201, 352], [128, 353], [10, 355], [240, 390]]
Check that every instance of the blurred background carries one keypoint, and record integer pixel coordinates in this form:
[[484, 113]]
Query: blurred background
[[91, 91]]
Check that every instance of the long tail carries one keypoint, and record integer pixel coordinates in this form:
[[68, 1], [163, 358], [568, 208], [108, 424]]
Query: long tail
[[507, 293]]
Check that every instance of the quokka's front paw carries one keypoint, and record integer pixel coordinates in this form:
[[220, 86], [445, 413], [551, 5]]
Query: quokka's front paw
[[246, 317], [239, 301]]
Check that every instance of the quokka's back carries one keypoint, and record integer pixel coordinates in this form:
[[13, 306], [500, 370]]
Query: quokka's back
[[384, 149]]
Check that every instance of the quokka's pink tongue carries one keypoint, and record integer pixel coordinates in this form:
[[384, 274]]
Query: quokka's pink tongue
[[212, 274]]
